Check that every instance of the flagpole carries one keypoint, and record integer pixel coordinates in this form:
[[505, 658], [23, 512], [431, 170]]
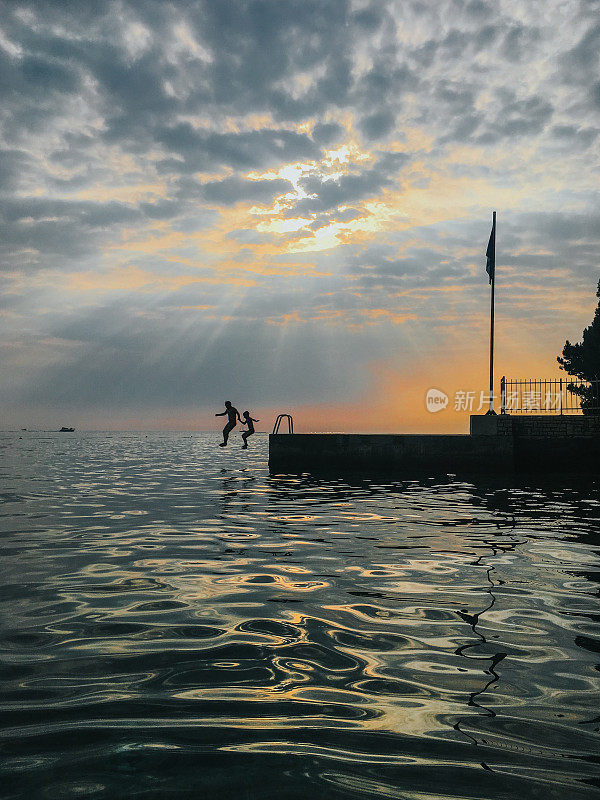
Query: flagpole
[[493, 276]]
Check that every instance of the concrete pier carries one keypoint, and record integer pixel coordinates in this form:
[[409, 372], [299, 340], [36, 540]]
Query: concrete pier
[[495, 444], [443, 453]]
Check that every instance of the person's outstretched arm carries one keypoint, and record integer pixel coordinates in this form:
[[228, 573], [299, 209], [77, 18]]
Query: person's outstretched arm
[[254, 420], [222, 414]]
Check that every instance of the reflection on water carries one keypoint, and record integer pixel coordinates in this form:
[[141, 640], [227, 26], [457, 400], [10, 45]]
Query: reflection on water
[[179, 622]]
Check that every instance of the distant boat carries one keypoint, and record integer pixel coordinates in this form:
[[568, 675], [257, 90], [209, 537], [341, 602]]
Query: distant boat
[[66, 430], [23, 429]]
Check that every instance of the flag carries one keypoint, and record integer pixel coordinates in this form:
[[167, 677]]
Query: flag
[[490, 253]]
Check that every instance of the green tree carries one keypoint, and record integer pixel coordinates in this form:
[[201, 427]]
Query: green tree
[[582, 360]]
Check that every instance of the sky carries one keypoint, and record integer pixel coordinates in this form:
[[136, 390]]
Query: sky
[[286, 204]]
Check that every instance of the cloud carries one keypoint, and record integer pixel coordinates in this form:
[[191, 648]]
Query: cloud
[[13, 163], [581, 60], [233, 190], [334, 192], [517, 117], [377, 125], [325, 133], [295, 171], [248, 150]]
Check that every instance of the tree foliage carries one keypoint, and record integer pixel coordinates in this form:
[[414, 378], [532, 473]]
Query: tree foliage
[[582, 360]]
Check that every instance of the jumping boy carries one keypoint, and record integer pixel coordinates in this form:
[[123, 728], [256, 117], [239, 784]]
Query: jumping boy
[[250, 423], [233, 415]]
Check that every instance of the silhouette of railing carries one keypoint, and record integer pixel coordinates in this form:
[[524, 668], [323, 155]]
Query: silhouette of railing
[[279, 420], [549, 396]]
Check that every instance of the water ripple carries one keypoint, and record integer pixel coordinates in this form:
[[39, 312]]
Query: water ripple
[[177, 621]]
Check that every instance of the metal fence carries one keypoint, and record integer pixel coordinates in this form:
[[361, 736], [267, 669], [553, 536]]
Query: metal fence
[[553, 396]]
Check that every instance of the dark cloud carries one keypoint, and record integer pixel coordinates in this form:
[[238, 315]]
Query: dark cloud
[[479, 10], [381, 268], [327, 133], [562, 226], [234, 190], [518, 42], [582, 59], [378, 125], [341, 191], [201, 151], [57, 232], [33, 76], [574, 134], [336, 216], [369, 19], [13, 164], [162, 209], [328, 194], [517, 117], [457, 104], [85, 213]]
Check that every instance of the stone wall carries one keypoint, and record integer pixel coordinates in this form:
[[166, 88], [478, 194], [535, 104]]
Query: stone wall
[[535, 425], [555, 425], [499, 425]]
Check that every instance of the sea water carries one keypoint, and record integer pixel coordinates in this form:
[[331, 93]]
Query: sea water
[[179, 622]]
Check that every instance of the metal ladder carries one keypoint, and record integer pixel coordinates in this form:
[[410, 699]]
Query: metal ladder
[[279, 420]]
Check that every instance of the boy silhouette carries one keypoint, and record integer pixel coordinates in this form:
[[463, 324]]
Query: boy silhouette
[[233, 415], [250, 423]]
